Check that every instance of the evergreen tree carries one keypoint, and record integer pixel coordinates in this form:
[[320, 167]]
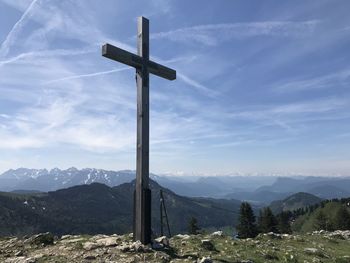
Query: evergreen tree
[[322, 222], [193, 226], [246, 227], [283, 222], [267, 221], [259, 220], [342, 219]]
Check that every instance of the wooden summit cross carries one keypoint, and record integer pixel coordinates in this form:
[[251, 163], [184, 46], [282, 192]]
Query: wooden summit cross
[[144, 66]]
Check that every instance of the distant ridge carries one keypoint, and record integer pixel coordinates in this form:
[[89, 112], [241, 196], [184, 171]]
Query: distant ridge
[[257, 189], [97, 208], [54, 179]]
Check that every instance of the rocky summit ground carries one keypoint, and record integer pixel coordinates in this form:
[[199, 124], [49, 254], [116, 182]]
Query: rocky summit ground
[[319, 246]]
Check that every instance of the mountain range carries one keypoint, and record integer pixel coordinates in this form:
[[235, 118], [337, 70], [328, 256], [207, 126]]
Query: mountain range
[[258, 189], [54, 179], [92, 201], [98, 208], [193, 186]]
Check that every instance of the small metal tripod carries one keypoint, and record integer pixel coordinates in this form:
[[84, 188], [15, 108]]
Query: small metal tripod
[[162, 207]]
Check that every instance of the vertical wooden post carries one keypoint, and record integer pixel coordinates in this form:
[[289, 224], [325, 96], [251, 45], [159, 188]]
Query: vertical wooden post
[[142, 216], [142, 194]]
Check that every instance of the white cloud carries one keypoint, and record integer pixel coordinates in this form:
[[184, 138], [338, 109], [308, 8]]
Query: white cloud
[[333, 80], [13, 142], [316, 106], [294, 118]]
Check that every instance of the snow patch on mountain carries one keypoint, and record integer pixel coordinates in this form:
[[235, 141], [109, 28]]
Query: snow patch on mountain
[[50, 180]]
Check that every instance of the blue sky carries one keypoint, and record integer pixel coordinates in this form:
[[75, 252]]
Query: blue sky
[[262, 87]]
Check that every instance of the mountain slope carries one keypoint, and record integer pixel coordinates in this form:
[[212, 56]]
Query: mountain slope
[[294, 202], [326, 216], [97, 208]]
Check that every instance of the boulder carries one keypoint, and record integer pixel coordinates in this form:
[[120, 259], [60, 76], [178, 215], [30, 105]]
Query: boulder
[[107, 242], [134, 247], [89, 257], [274, 235], [41, 239], [207, 244], [162, 240], [90, 245], [139, 247], [183, 236], [217, 234], [66, 237], [124, 248], [19, 253]]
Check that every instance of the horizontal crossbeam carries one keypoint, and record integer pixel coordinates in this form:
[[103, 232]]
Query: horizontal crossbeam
[[128, 58]]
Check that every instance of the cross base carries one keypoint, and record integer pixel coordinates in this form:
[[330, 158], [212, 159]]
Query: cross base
[[143, 223]]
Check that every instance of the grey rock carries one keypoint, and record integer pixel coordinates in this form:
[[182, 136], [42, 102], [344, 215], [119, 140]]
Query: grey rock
[[311, 250], [41, 239], [217, 234], [38, 256], [69, 241], [162, 240], [205, 260], [139, 247], [19, 253], [66, 237], [207, 244], [107, 242], [90, 245], [274, 235], [183, 236], [15, 260], [345, 234], [89, 257]]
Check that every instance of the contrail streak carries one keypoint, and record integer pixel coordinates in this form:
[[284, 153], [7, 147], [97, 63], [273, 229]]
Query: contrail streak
[[5, 46], [86, 75]]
